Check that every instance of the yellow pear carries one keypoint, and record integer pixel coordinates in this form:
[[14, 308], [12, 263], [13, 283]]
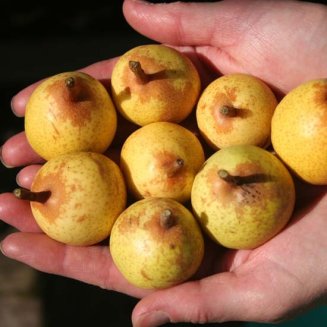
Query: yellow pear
[[153, 83], [76, 197], [299, 131], [161, 160], [70, 112], [243, 196], [156, 243], [236, 109]]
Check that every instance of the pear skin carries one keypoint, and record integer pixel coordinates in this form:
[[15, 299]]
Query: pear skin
[[77, 197], [153, 83], [299, 131], [156, 243], [161, 160], [236, 109], [243, 196], [70, 112]]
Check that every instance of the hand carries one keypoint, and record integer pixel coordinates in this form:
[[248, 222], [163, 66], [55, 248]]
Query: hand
[[282, 42]]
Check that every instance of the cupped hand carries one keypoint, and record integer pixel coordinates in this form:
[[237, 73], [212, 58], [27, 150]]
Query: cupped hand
[[282, 42]]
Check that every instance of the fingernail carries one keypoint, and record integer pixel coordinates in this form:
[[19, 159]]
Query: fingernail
[[1, 249], [12, 105], [17, 180], [152, 319], [1, 159]]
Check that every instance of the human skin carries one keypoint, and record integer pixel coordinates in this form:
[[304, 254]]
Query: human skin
[[282, 42]]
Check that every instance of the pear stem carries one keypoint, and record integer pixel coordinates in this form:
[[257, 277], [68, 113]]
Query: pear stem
[[179, 163], [75, 92], [24, 194], [236, 180], [136, 68], [70, 82], [228, 111], [166, 219], [241, 180], [177, 166]]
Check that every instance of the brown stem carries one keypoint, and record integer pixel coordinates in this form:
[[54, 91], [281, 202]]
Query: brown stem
[[70, 82], [228, 111], [136, 68], [178, 164], [76, 91], [167, 219], [24, 194], [241, 180]]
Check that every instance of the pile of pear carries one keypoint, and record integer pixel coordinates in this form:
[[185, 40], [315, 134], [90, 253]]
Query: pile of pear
[[158, 162]]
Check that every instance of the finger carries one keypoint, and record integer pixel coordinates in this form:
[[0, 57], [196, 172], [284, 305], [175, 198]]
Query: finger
[[100, 70], [241, 36], [16, 152], [26, 176], [17, 213], [213, 299], [181, 23], [92, 264], [223, 297], [18, 102]]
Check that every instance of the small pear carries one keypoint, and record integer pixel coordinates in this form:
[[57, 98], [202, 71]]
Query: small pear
[[75, 198], [70, 112], [243, 196], [236, 109], [161, 160], [153, 83], [299, 131], [156, 243]]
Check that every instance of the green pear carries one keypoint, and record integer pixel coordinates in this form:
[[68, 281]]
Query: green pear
[[70, 112], [156, 243], [153, 83], [76, 197], [161, 160], [243, 196]]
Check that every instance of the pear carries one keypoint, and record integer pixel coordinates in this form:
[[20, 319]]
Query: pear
[[161, 160], [70, 112], [243, 196], [156, 243], [76, 197], [299, 131], [153, 83], [236, 109]]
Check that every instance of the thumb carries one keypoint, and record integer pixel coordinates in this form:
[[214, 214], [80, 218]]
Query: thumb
[[181, 23], [218, 298]]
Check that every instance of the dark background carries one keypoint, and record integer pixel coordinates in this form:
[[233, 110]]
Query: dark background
[[39, 39]]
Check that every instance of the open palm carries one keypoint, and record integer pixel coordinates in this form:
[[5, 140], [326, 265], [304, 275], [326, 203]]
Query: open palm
[[283, 43]]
